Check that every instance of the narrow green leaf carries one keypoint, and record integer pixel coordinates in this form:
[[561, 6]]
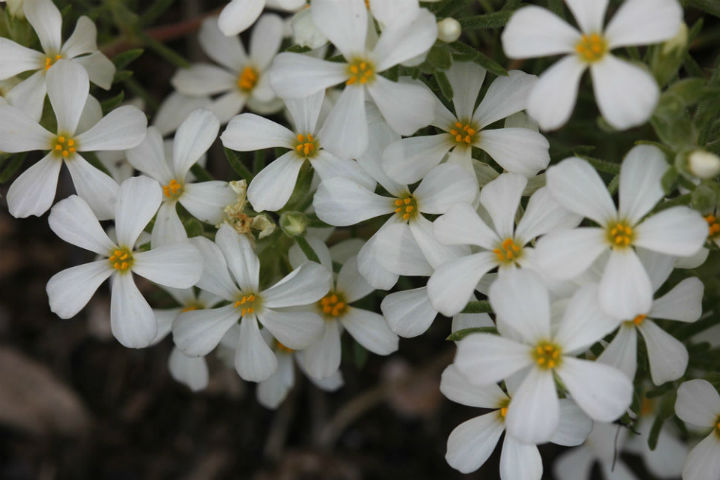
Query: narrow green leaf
[[112, 103], [460, 334], [123, 59], [482, 306], [490, 20], [444, 85], [93, 160], [237, 165], [307, 249], [12, 167], [200, 173], [439, 57], [709, 6], [155, 10]]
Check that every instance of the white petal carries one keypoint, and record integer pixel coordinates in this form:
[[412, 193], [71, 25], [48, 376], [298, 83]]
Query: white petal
[[178, 265], [506, 96], [33, 191], [298, 76], [203, 79], [461, 321], [642, 22], [461, 225], [402, 41], [451, 287], [466, 79], [553, 97], [566, 254], [73, 221], [15, 58], [626, 93], [501, 198], [703, 461], [575, 463], [99, 68], [435, 253], [94, 186], [240, 257], [698, 403], [226, 49], [174, 109], [519, 460], [193, 138], [544, 215], [69, 290], [67, 86], [149, 157], [485, 359], [29, 95], [121, 129], [667, 356], [272, 392], [248, 132], [622, 352], [206, 201], [132, 320], [345, 131], [20, 133], [456, 388], [409, 313], [238, 15], [536, 32], [344, 23], [297, 257], [370, 330], [322, 358], [674, 231], [657, 265], [371, 269], [351, 283], [46, 20], [265, 40], [471, 443], [343, 202], [625, 289], [588, 14], [577, 186], [302, 286], [533, 414], [189, 371], [328, 166], [254, 361], [392, 99], [294, 329], [603, 392], [443, 187], [215, 277], [682, 303], [198, 332], [584, 322], [271, 188], [522, 305], [137, 201], [410, 159], [574, 426], [640, 189], [517, 150]]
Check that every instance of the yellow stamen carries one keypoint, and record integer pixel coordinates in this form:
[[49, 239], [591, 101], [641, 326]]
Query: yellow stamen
[[547, 355], [63, 146], [508, 251], [406, 206], [173, 189], [247, 303], [247, 79], [639, 319], [591, 48], [50, 61], [713, 226], [306, 146], [464, 133], [120, 259], [360, 71], [620, 234], [333, 305]]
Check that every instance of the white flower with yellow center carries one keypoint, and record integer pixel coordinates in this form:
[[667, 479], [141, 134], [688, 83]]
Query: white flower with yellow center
[[204, 200], [529, 344], [238, 15], [80, 49], [698, 404], [502, 245], [242, 78], [345, 24], [131, 318], [625, 289], [271, 188], [518, 150], [33, 191], [198, 332], [626, 93], [473, 441]]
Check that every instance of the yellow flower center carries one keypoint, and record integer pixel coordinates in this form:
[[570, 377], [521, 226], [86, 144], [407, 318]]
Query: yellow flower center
[[306, 146], [406, 207], [508, 251], [282, 348], [503, 408], [713, 226], [247, 79], [717, 426], [591, 48], [63, 146], [121, 259], [248, 303], [547, 355], [463, 133], [333, 305], [360, 71], [620, 235], [173, 189], [50, 61]]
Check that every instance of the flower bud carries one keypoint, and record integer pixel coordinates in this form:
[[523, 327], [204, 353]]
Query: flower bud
[[293, 224], [703, 164], [449, 30]]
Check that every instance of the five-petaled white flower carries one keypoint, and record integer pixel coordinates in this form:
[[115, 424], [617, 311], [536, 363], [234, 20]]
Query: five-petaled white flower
[[238, 15], [698, 403]]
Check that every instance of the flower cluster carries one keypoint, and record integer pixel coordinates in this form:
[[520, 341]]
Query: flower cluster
[[413, 175]]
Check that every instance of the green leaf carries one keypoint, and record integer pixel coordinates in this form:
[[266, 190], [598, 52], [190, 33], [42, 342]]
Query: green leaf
[[112, 103], [709, 6], [490, 20], [93, 160], [12, 167], [669, 179], [444, 84], [194, 227], [122, 76], [200, 173], [460, 334], [439, 57], [298, 49], [482, 306], [307, 249], [237, 165], [360, 355], [601, 165], [123, 59], [165, 52], [703, 198], [471, 54], [154, 11]]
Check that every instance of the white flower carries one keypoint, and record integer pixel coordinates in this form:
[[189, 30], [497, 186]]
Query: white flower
[[625, 289], [242, 79], [703, 164], [271, 188], [667, 356], [522, 305], [601, 446], [198, 332], [205, 200], [33, 192], [471, 443], [502, 245], [80, 48], [626, 93], [132, 320], [698, 404], [449, 30], [344, 22], [238, 15], [518, 150]]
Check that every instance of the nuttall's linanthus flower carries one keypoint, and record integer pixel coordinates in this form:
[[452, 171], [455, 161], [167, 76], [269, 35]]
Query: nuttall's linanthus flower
[[518, 150], [344, 22], [698, 403], [238, 15], [204, 200], [33, 191], [322, 358], [241, 79], [471, 443], [502, 245], [271, 188], [626, 93], [625, 289], [667, 356], [80, 48], [131, 318], [528, 343], [198, 332]]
